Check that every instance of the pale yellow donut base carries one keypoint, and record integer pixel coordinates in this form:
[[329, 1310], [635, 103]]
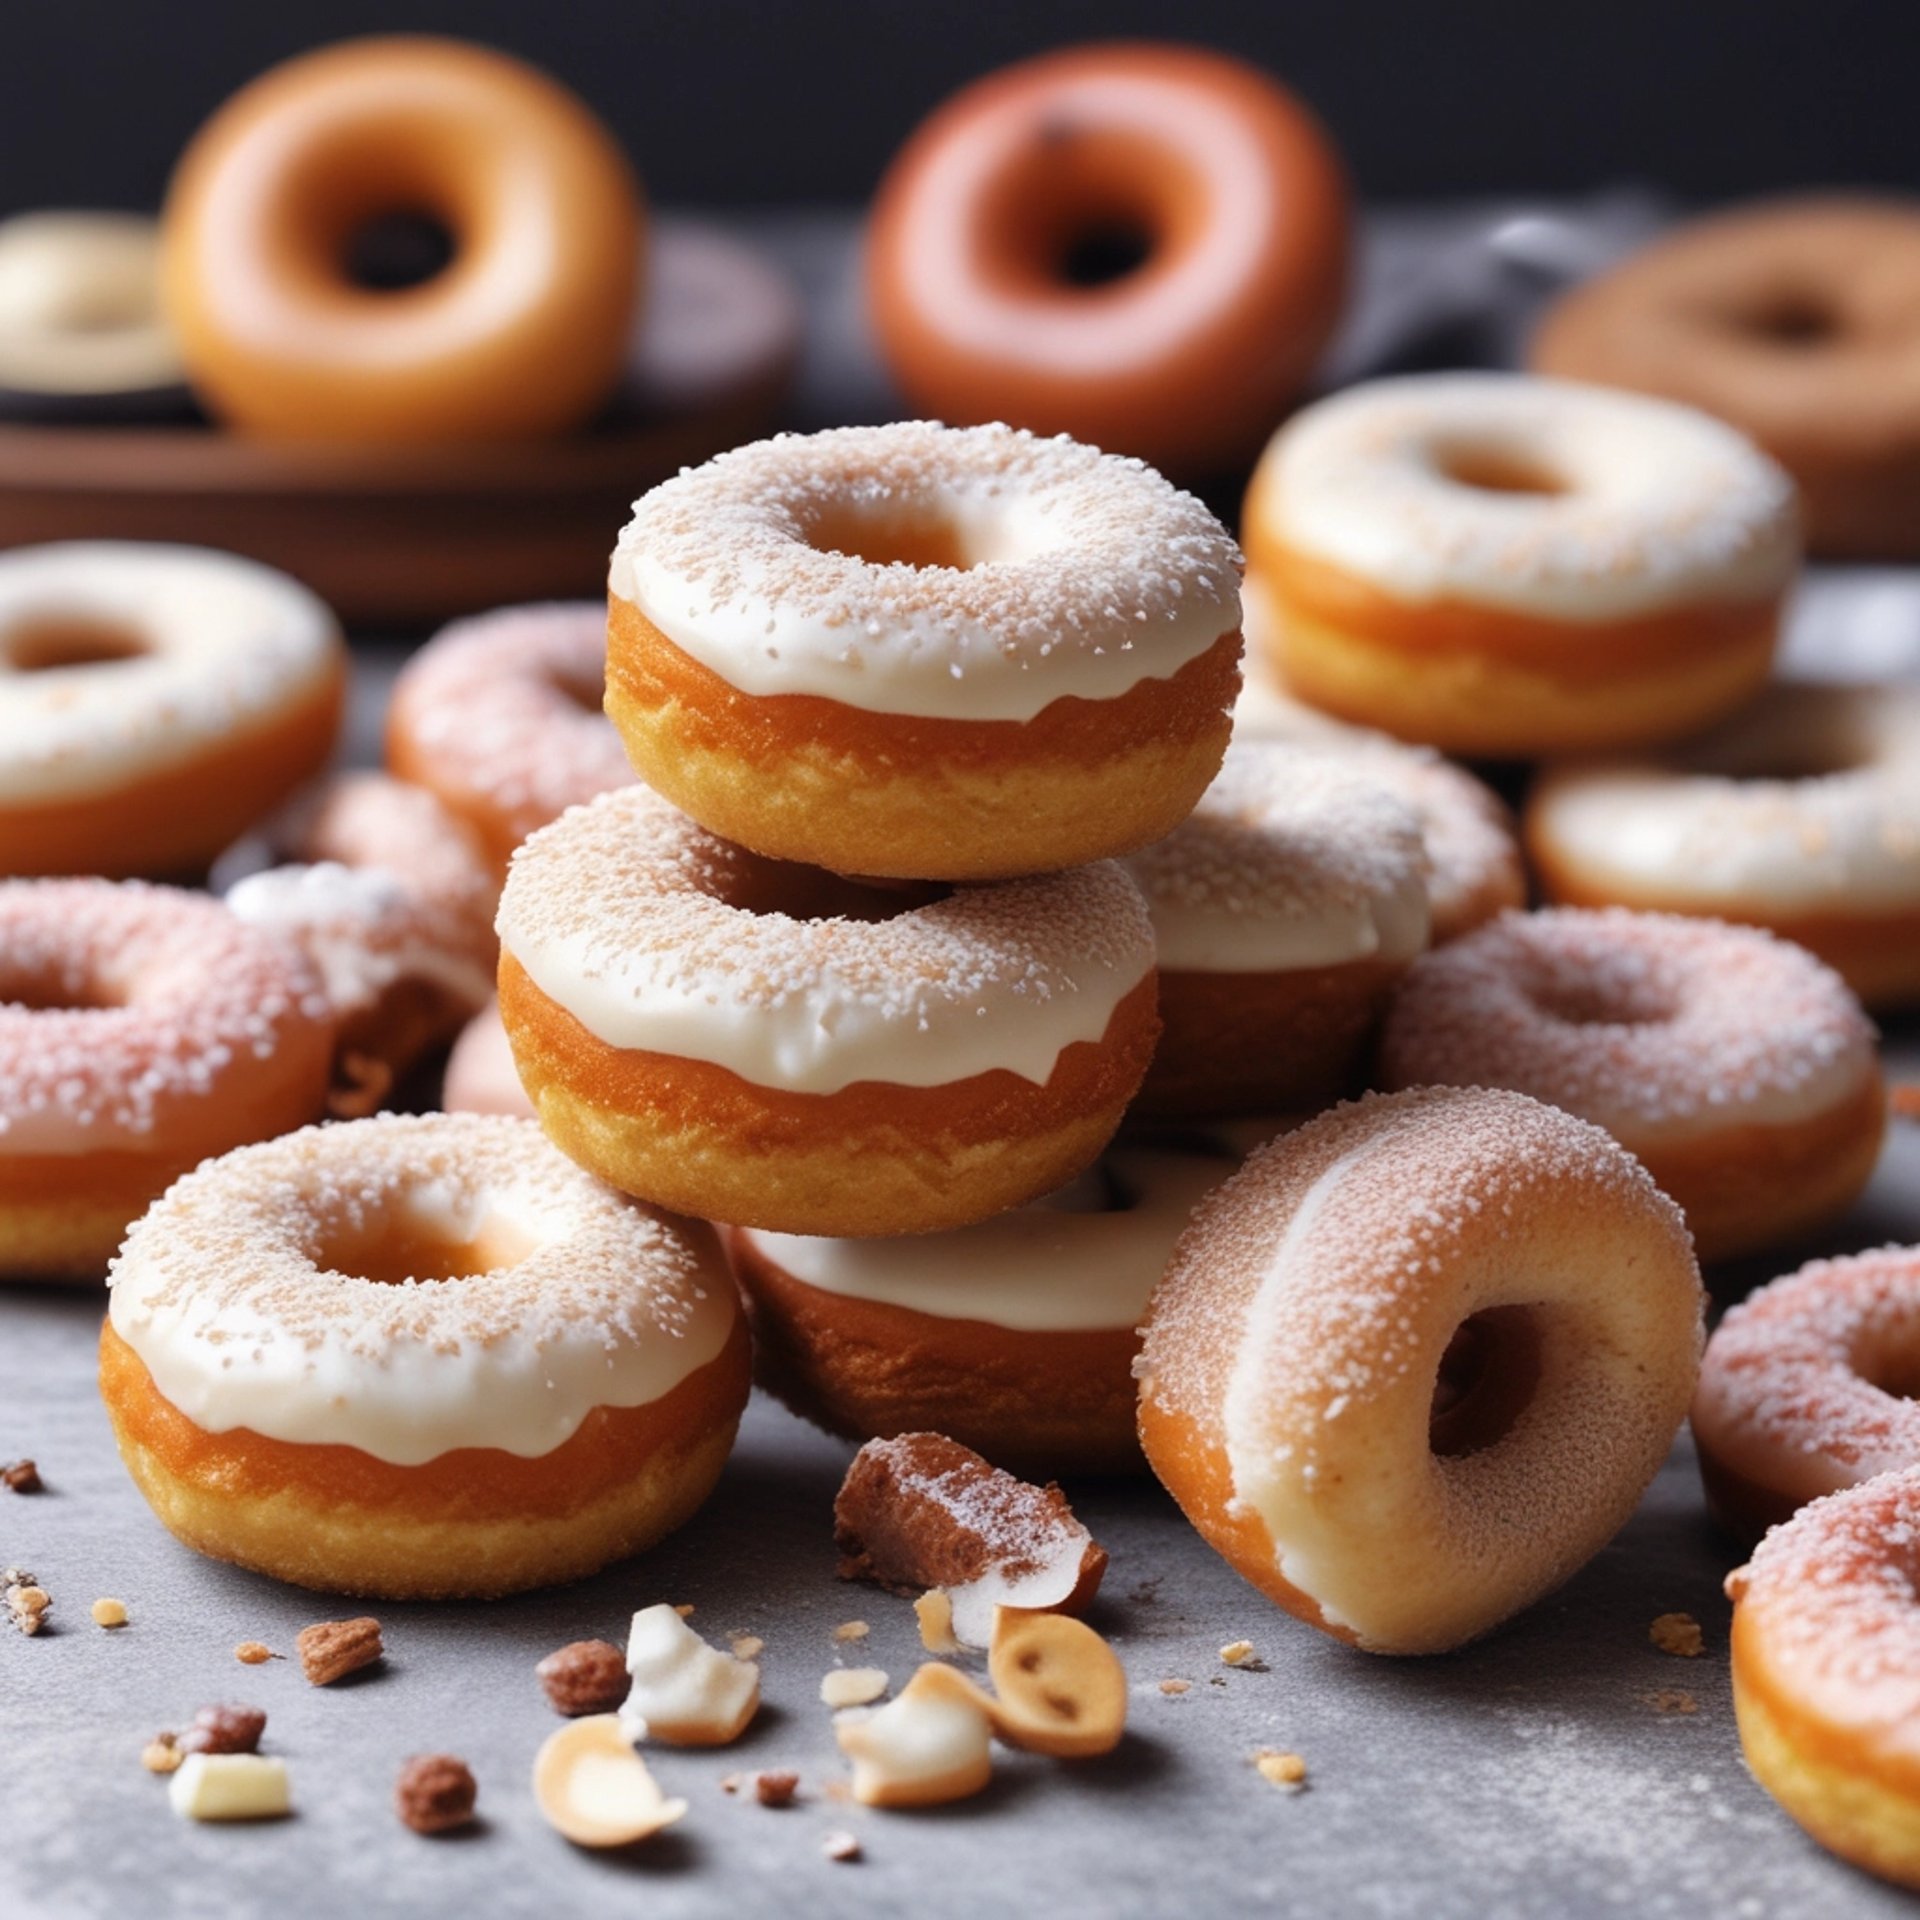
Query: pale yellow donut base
[[70, 1239]]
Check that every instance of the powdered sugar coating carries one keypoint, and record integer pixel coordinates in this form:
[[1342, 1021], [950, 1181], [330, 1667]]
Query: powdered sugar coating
[[1657, 1027], [1086, 573], [1650, 505], [1306, 1309], [506, 707], [1293, 858], [219, 1291], [132, 1015], [1803, 1390], [657, 935]]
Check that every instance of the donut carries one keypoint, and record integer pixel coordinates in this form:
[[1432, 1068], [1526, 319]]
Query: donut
[[82, 337], [392, 897], [1804, 1388], [1415, 1363], [925, 653], [1740, 1071], [772, 1047], [500, 715], [1826, 1672], [481, 1076], [1793, 320], [142, 1028], [1014, 1337], [1506, 566], [155, 701], [523, 330], [419, 1356], [1139, 244], [1284, 910], [1801, 814]]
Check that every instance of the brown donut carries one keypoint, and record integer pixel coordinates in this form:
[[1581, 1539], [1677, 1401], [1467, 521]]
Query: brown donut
[[1797, 321]]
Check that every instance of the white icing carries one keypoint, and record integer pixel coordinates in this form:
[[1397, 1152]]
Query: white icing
[[80, 305], [925, 1739], [1086, 574], [684, 1691], [608, 1305], [229, 647], [620, 913], [1068, 1263], [1659, 506]]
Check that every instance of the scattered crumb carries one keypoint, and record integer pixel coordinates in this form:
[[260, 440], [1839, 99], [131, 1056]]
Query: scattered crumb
[[28, 1602], [837, 1790], [1903, 1099], [329, 1650], [1176, 1686], [776, 1789], [1145, 1593], [1678, 1633], [1286, 1771], [851, 1630], [934, 1611], [748, 1646], [840, 1846], [255, 1653], [162, 1753], [21, 1476], [109, 1613], [685, 1612], [1673, 1700], [1239, 1653], [853, 1686]]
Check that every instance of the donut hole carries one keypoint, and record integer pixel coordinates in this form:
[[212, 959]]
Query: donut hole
[[46, 990], [397, 249], [586, 693], [1487, 1377], [52, 644], [898, 539], [1579, 999], [1104, 251], [399, 1242], [1493, 469], [1795, 320], [807, 893]]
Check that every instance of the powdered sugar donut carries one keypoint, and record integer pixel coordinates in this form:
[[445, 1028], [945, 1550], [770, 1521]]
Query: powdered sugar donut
[[154, 702], [1826, 1671], [1415, 1363], [925, 652], [1014, 1337], [1505, 565], [1284, 909], [1740, 1070], [1801, 813], [481, 1076], [762, 1044], [1802, 1390], [419, 1356], [501, 717], [142, 1028]]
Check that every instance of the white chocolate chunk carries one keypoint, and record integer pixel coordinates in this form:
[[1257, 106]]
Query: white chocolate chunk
[[853, 1686], [931, 1745], [230, 1786], [592, 1787], [684, 1691]]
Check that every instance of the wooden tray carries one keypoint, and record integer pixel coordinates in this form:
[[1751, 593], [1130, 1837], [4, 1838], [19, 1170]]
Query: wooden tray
[[408, 536]]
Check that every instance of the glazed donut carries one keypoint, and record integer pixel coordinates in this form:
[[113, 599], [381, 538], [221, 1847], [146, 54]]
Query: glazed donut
[[768, 1046], [82, 336], [1415, 1364], [524, 331], [501, 717], [1014, 1337], [142, 1028], [1804, 1388], [1801, 814], [1507, 566], [481, 1076], [392, 898], [419, 1357], [925, 653], [1474, 869], [158, 700], [1142, 245], [1285, 908], [1826, 1672], [1793, 320], [1739, 1070]]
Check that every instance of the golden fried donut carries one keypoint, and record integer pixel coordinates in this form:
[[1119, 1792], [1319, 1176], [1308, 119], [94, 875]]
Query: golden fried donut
[[1804, 1388], [1014, 1337], [1826, 1671], [765, 1045], [925, 653], [1414, 1364], [1793, 320], [1740, 1071], [1800, 814], [501, 717], [142, 1028], [1500, 565], [1285, 908], [1142, 245], [155, 701], [481, 1076], [392, 898], [524, 331], [419, 1357]]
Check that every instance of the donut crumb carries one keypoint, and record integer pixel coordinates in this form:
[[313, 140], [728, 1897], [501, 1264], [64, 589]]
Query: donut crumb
[[1679, 1634], [1287, 1771]]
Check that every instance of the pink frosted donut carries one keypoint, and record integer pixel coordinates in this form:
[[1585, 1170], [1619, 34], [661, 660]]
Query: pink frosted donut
[[143, 1028], [1805, 1387], [481, 1076], [501, 717], [1736, 1066], [392, 897]]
